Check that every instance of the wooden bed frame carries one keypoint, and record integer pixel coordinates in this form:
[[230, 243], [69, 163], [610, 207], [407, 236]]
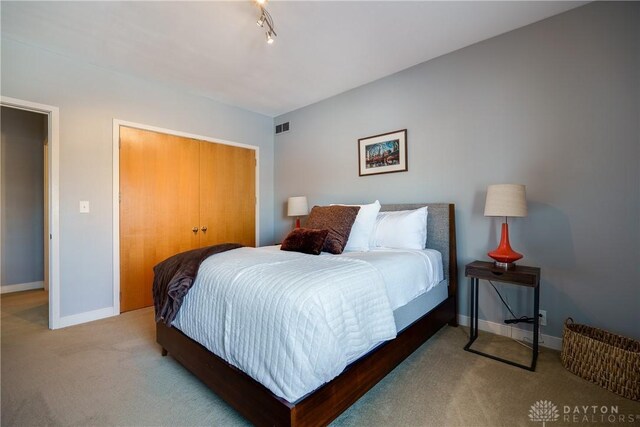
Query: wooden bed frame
[[261, 407]]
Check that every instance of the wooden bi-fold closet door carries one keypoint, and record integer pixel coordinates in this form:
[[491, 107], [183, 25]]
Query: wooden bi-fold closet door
[[227, 194], [178, 194]]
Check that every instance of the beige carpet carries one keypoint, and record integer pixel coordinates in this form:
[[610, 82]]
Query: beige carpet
[[110, 372]]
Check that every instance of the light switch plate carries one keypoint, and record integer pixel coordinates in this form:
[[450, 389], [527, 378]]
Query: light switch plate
[[84, 206]]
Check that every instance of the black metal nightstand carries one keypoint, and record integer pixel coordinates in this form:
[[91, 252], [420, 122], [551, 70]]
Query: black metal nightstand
[[519, 276]]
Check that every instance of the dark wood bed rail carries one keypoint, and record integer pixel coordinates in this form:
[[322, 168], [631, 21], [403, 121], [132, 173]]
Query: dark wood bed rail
[[257, 404], [261, 407], [453, 263]]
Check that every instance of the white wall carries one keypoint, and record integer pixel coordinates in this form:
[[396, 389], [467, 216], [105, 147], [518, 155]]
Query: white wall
[[23, 137], [554, 105], [89, 99]]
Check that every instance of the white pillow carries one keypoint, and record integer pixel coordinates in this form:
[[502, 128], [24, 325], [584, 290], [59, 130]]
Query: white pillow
[[401, 229], [362, 229]]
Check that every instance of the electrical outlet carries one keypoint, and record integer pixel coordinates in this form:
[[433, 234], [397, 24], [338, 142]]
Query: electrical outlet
[[543, 317]]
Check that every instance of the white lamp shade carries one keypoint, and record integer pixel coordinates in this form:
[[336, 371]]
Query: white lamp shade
[[297, 206], [506, 200]]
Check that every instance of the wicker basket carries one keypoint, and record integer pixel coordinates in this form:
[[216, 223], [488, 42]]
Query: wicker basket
[[609, 360]]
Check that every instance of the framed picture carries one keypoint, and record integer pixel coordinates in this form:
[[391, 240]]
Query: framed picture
[[384, 153]]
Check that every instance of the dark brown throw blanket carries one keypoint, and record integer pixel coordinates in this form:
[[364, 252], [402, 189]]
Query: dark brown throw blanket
[[174, 276]]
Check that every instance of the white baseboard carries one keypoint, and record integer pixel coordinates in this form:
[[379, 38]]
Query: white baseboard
[[548, 341], [19, 287], [89, 316]]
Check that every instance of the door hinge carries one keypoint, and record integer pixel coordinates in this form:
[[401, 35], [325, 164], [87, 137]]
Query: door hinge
[[119, 197]]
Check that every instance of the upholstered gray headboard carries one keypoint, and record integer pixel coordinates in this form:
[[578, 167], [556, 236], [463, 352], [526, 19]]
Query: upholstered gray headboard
[[441, 234]]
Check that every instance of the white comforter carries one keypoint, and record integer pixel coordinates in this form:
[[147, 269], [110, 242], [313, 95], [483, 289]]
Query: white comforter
[[290, 321]]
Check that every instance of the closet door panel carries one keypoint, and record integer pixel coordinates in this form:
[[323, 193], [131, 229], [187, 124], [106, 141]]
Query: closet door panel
[[159, 207], [227, 194]]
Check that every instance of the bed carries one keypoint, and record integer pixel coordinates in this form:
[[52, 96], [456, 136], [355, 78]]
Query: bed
[[262, 407]]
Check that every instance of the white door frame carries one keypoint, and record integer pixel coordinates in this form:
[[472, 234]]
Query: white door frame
[[116, 190], [53, 129]]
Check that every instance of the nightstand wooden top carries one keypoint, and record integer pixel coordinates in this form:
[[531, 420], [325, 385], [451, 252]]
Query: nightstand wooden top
[[520, 275]]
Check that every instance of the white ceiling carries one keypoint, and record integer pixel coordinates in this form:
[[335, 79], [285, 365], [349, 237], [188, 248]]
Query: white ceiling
[[215, 49]]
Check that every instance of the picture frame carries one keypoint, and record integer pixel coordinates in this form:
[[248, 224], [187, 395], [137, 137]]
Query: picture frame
[[384, 153]]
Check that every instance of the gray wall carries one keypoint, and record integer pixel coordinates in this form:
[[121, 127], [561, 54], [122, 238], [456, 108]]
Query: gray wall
[[555, 106], [23, 136], [89, 99]]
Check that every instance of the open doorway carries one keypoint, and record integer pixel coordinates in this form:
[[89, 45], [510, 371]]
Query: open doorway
[[29, 222], [24, 271]]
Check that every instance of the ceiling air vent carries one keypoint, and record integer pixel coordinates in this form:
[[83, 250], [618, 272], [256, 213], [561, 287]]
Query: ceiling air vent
[[284, 127]]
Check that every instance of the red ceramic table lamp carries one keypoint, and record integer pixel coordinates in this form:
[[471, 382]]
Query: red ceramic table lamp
[[297, 206], [507, 200]]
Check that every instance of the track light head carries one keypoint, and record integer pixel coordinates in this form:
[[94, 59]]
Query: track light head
[[265, 19]]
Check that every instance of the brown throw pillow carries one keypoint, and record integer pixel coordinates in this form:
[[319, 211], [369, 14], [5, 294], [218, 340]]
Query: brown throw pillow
[[338, 220], [305, 240]]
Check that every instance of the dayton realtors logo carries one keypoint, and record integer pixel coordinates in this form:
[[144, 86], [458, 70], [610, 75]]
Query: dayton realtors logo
[[546, 411], [600, 414]]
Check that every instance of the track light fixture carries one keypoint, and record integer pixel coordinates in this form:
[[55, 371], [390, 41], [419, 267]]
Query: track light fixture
[[266, 19]]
